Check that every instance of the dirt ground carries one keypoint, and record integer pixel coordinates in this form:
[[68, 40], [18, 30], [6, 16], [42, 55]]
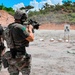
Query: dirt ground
[[52, 58], [53, 26], [50, 53]]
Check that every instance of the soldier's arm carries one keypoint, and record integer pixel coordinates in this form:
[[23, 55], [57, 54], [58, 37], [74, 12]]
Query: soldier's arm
[[31, 35], [26, 32]]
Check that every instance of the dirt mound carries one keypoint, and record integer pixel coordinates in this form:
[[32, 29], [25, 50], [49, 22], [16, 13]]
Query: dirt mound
[[52, 26], [5, 18]]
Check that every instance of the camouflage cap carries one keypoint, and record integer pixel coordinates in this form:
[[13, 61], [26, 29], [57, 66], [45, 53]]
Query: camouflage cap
[[19, 14]]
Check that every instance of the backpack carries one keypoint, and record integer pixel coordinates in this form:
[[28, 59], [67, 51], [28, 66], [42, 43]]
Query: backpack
[[8, 36]]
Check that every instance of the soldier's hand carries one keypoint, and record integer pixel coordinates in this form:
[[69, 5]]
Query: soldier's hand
[[30, 27], [3, 52]]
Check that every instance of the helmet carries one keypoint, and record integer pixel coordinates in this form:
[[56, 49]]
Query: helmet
[[20, 14]]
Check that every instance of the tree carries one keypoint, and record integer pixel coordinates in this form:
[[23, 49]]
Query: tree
[[2, 6], [46, 6], [27, 7], [67, 3], [73, 3]]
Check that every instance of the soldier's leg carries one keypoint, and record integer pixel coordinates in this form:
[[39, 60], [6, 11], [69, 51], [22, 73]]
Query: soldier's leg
[[26, 70], [2, 47], [13, 70], [0, 64]]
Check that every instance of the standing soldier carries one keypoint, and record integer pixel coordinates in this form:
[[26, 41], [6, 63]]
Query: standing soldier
[[2, 47], [18, 59]]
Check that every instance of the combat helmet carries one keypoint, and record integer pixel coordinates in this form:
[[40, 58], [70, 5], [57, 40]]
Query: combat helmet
[[20, 14]]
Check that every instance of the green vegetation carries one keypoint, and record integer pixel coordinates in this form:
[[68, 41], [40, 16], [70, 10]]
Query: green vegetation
[[56, 13], [9, 10], [50, 13]]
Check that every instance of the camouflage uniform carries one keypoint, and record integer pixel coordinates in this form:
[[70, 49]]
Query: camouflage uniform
[[1, 45], [0, 63], [19, 64], [18, 59], [1, 49]]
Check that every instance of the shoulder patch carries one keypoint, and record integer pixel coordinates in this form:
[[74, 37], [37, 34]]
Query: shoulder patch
[[23, 28]]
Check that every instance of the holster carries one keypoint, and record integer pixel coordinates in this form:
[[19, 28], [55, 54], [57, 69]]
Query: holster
[[19, 62], [5, 58], [5, 62]]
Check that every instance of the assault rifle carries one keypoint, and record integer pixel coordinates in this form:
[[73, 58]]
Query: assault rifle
[[35, 26], [33, 23]]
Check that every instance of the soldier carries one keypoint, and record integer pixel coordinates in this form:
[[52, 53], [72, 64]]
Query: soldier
[[2, 47], [18, 59]]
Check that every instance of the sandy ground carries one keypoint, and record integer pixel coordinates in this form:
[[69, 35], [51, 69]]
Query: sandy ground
[[51, 58]]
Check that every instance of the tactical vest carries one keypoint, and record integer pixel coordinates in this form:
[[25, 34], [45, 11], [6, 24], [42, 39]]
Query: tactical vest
[[10, 39]]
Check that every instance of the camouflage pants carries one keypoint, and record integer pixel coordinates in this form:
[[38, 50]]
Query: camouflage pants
[[0, 65], [14, 70], [1, 49]]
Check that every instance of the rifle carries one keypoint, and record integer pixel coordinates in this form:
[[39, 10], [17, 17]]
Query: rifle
[[35, 26], [33, 23]]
